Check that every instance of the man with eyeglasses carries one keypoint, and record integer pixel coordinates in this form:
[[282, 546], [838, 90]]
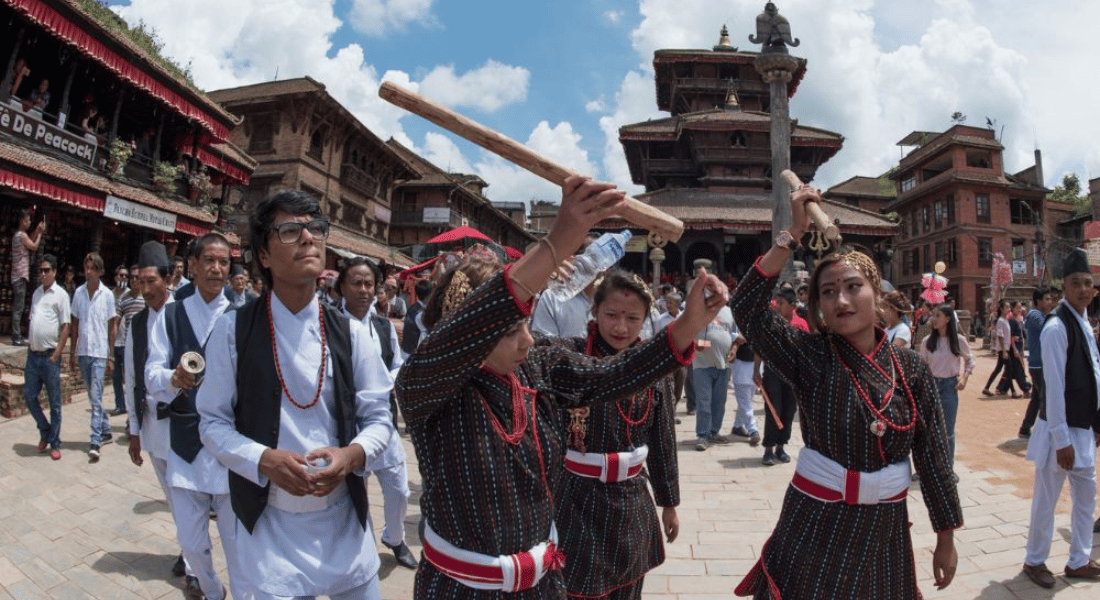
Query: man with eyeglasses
[[295, 402], [48, 331]]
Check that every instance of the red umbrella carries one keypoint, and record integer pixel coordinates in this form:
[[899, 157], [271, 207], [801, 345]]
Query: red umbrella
[[458, 234]]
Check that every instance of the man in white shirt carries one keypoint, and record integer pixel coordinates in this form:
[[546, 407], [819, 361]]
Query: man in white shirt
[[1064, 439], [93, 330], [356, 285], [147, 419], [48, 332], [295, 402], [197, 482]]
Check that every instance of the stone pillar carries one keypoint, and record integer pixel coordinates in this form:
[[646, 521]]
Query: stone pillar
[[776, 70], [656, 256]]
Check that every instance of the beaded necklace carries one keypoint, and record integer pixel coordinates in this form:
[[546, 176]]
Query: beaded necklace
[[591, 350], [881, 422], [279, 369], [519, 411]]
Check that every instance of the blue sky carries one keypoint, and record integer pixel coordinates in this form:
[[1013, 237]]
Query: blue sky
[[564, 76]]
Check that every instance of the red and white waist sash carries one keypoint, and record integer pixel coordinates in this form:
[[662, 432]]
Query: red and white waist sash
[[507, 573], [608, 468], [825, 479]]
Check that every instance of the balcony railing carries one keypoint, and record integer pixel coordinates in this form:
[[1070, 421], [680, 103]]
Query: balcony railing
[[360, 180]]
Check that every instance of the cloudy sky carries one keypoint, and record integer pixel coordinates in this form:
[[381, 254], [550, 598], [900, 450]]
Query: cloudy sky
[[563, 76]]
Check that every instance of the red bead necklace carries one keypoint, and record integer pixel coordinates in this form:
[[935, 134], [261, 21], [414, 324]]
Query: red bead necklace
[[881, 422], [519, 411], [324, 356], [591, 350]]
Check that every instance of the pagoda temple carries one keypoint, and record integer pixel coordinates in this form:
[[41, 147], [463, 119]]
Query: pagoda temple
[[709, 163]]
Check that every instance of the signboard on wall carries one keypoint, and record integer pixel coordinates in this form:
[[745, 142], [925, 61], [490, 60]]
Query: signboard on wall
[[138, 214], [29, 127], [1019, 267], [437, 215]]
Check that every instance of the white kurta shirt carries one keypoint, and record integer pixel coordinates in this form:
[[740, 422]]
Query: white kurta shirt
[[562, 319], [1053, 433], [205, 473], [153, 432], [394, 454], [299, 553], [94, 314]]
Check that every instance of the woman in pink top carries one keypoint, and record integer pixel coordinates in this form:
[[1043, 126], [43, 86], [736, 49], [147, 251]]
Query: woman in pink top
[[942, 350]]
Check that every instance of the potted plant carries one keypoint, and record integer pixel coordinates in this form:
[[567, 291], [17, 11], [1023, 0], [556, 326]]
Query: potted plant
[[200, 185], [120, 152], [164, 177]]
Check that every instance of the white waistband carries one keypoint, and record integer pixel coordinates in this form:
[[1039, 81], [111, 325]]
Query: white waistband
[[874, 487], [613, 467], [509, 565], [284, 500]]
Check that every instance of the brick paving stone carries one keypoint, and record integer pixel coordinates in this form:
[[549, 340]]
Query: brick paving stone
[[72, 529]]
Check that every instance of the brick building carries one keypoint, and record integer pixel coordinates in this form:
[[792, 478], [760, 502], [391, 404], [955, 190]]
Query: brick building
[[957, 204], [120, 149], [302, 138], [435, 201]]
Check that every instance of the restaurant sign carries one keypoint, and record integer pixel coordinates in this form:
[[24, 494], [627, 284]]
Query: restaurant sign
[[21, 124], [124, 210]]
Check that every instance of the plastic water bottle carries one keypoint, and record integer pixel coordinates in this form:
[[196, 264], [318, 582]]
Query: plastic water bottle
[[599, 256]]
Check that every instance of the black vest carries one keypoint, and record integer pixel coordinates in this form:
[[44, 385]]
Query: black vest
[[382, 327], [183, 417], [1080, 384], [410, 336], [259, 399], [139, 332]]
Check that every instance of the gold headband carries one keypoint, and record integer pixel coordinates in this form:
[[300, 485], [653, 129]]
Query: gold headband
[[862, 263], [456, 293], [648, 292]]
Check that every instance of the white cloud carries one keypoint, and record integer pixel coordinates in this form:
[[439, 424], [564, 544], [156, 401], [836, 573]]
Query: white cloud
[[378, 17], [488, 87], [878, 70], [596, 106], [614, 16], [511, 183]]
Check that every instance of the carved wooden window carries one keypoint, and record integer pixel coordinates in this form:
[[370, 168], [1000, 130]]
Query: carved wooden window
[[981, 205]]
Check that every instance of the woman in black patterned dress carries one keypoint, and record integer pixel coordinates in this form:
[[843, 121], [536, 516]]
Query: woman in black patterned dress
[[865, 407], [605, 514], [484, 408]]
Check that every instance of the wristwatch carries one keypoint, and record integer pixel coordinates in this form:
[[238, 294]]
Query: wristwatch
[[784, 239]]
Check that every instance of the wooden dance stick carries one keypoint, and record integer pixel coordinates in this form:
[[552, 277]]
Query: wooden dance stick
[[636, 212], [771, 407], [818, 216]]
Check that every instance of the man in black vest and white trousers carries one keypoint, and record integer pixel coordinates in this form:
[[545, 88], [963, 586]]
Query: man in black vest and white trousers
[[356, 285], [197, 482], [295, 401], [1064, 439], [148, 429]]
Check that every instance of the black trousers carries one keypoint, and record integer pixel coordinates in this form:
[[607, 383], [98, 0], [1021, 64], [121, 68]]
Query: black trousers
[[1038, 397], [782, 398], [1002, 361], [1014, 371]]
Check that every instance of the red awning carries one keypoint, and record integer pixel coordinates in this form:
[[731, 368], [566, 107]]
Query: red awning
[[456, 234], [44, 15], [214, 161], [38, 187], [191, 228]]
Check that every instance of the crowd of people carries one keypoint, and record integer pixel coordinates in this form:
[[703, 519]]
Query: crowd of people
[[544, 429]]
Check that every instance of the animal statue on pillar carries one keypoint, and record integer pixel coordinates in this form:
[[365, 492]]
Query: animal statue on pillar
[[773, 31]]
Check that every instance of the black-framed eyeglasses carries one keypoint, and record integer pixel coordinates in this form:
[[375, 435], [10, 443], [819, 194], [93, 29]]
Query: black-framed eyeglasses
[[291, 232], [44, 269]]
